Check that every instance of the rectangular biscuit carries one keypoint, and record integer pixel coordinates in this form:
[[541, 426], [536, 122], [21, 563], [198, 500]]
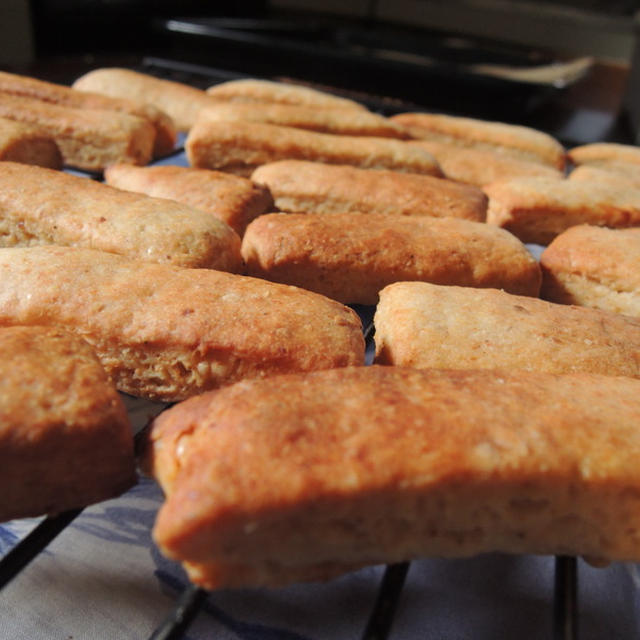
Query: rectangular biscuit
[[616, 172], [232, 199], [538, 209], [254, 90], [594, 267], [424, 325], [602, 152], [65, 438], [239, 147], [165, 332], [350, 257], [386, 464], [315, 187], [180, 101], [507, 139], [23, 143], [88, 139], [349, 122], [42, 206], [483, 166], [19, 85]]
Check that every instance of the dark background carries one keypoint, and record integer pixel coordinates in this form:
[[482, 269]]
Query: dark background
[[395, 54]]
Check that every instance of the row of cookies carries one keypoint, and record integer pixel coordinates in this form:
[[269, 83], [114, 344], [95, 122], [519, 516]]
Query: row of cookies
[[360, 254], [41, 206], [378, 285], [106, 321], [489, 422], [321, 515], [385, 216], [535, 199], [90, 130], [66, 440], [345, 438], [516, 166], [458, 463], [513, 163], [156, 334], [520, 170], [65, 437]]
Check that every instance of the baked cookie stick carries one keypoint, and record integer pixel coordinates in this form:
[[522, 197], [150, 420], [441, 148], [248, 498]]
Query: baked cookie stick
[[315, 187], [618, 173], [386, 464], [181, 101], [483, 166], [232, 199], [350, 122], [26, 144], [429, 326], [166, 333], [511, 140], [253, 90], [594, 267], [42, 206], [604, 152], [17, 85], [538, 209], [239, 147], [65, 438], [88, 139], [350, 257]]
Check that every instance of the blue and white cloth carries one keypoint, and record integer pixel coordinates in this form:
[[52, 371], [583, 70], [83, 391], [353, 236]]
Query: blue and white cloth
[[103, 578]]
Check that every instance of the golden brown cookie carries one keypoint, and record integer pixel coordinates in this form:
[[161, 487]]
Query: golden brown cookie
[[88, 139], [350, 122], [538, 209], [424, 325], [65, 438], [232, 199], [316, 187], [599, 152], [318, 473], [23, 143], [350, 257], [618, 173], [253, 90], [166, 333], [239, 147], [508, 139], [42, 206], [19, 85], [483, 166], [180, 101], [594, 267]]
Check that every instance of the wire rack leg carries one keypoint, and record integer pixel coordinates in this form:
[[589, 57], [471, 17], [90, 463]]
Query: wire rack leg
[[565, 614], [31, 545], [178, 621], [384, 609]]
